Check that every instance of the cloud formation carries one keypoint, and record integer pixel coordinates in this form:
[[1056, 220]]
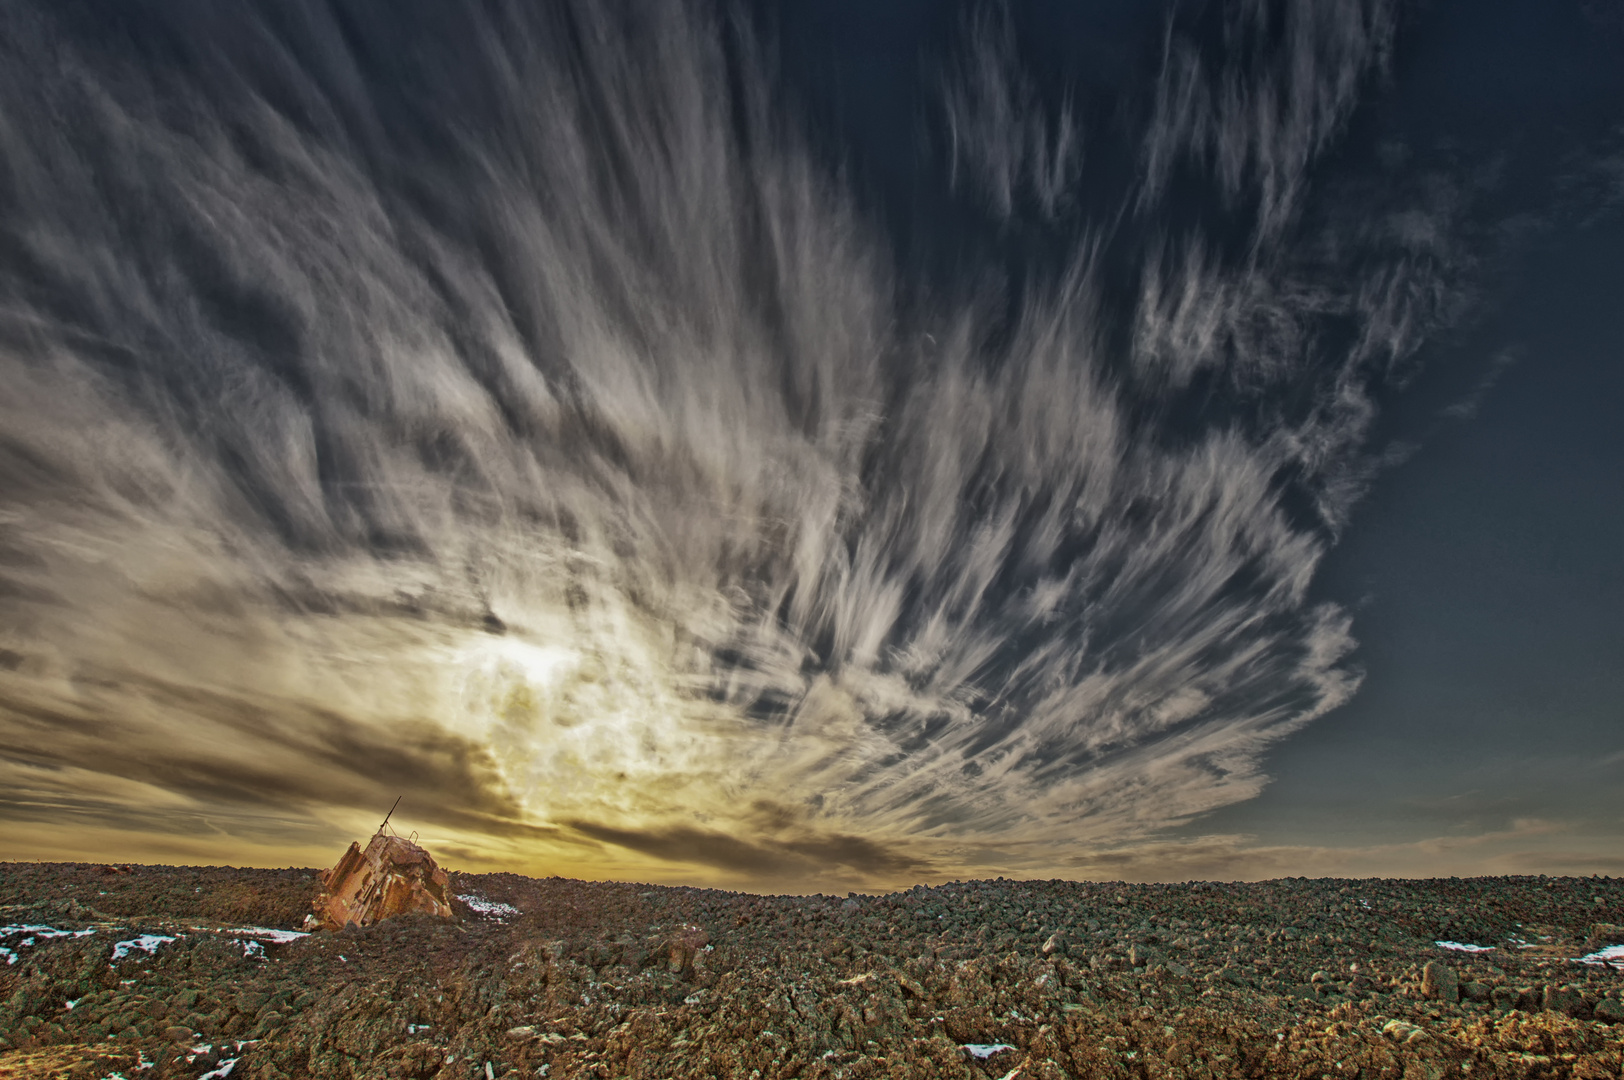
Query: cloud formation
[[507, 408], [1524, 846], [999, 131]]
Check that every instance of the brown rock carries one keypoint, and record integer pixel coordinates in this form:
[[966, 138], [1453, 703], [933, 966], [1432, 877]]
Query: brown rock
[[1605, 934], [684, 950], [1439, 982], [1566, 1000]]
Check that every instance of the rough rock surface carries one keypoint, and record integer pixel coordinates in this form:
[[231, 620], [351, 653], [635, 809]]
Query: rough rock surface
[[999, 979], [1439, 982]]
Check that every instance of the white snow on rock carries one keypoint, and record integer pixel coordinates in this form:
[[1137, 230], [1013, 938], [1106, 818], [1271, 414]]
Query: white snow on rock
[[40, 930], [253, 938], [985, 1050], [276, 937], [489, 908], [34, 931], [1613, 954], [1463, 948], [147, 943]]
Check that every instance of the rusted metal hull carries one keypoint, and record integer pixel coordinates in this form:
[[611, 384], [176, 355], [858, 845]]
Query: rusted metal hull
[[391, 876]]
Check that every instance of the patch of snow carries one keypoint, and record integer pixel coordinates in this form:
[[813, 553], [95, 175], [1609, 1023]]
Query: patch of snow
[[985, 1050], [253, 939], [1613, 954], [264, 933], [1457, 946], [222, 1072], [147, 943], [39, 930], [11, 957], [490, 909]]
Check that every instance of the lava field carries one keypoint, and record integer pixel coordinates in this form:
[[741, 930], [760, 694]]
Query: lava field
[[160, 972]]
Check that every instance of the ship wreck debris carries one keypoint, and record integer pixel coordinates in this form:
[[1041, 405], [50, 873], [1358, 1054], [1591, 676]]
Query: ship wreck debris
[[391, 876]]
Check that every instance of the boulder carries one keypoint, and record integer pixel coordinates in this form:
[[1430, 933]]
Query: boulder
[[1567, 1000], [682, 951], [1438, 982], [1604, 934]]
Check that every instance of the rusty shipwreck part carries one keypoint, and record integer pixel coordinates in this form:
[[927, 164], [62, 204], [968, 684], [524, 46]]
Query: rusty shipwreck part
[[391, 877]]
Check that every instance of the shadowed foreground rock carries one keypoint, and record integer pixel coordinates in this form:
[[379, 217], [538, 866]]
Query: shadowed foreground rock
[[974, 981]]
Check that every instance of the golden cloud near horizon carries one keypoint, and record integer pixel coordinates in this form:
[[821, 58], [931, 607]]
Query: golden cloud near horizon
[[177, 833], [575, 756]]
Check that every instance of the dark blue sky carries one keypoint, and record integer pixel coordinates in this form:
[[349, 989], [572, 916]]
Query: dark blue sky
[[1488, 581], [1485, 568]]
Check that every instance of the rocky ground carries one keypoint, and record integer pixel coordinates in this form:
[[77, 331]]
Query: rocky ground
[[159, 972]]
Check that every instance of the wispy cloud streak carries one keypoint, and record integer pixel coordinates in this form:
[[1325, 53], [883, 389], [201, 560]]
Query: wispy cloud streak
[[1000, 133], [525, 418]]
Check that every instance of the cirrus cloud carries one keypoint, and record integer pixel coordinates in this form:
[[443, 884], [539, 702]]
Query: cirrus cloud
[[527, 420]]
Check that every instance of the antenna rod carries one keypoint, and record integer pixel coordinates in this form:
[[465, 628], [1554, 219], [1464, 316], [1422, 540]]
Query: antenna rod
[[391, 813]]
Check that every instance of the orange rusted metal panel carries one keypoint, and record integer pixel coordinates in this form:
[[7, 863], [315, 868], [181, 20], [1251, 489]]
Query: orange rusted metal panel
[[392, 876]]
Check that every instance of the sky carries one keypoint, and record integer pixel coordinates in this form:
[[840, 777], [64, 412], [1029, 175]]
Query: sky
[[815, 447]]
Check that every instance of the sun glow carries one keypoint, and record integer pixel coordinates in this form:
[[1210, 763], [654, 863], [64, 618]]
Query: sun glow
[[536, 665], [589, 732]]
